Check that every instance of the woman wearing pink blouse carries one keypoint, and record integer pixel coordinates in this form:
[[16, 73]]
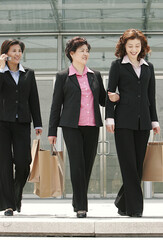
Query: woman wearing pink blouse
[[75, 107]]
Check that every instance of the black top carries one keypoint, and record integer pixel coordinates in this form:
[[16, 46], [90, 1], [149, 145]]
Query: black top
[[19, 99], [137, 96], [65, 109]]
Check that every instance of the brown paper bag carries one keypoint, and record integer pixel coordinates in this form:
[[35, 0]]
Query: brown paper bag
[[34, 168], [153, 162], [51, 178]]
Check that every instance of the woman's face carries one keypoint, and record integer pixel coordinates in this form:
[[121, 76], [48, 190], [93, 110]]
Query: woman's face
[[81, 55], [133, 48], [15, 53]]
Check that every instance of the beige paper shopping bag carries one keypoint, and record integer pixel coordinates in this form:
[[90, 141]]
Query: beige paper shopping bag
[[50, 176], [153, 162], [34, 168]]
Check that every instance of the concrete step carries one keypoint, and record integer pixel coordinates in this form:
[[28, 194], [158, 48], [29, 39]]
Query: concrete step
[[56, 218]]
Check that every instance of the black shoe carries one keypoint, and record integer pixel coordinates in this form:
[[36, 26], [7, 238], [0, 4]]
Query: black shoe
[[136, 215], [122, 213], [81, 214], [8, 212]]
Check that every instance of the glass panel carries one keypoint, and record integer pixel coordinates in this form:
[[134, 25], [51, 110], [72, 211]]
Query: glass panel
[[156, 56], [72, 15], [28, 16], [114, 180]]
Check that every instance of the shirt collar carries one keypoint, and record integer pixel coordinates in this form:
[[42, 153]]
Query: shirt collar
[[6, 68], [127, 60], [73, 71]]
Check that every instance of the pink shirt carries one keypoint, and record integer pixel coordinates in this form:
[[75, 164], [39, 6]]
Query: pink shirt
[[86, 117]]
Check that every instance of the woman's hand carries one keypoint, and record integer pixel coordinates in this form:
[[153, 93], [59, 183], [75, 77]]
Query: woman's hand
[[52, 140], [38, 131], [110, 128], [156, 130], [114, 97], [3, 58]]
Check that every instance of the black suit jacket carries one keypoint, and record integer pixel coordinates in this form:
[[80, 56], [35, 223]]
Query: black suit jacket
[[137, 96], [21, 99], [66, 101]]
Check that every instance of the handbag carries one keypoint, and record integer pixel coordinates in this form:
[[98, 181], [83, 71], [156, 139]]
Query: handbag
[[46, 172], [153, 162], [34, 167]]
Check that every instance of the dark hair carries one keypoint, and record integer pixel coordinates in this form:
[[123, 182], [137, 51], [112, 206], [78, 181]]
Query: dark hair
[[73, 44], [8, 43], [132, 34]]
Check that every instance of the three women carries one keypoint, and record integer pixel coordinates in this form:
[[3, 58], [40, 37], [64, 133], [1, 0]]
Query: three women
[[77, 95]]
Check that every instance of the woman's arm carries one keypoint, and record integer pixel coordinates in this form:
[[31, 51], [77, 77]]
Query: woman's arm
[[57, 102], [112, 85], [152, 100]]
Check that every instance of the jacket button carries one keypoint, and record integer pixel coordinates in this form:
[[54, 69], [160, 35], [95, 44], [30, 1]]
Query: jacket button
[[16, 101], [138, 96]]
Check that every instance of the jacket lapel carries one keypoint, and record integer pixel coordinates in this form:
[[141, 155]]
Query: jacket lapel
[[143, 70], [9, 77], [21, 77], [130, 69], [74, 80], [90, 80]]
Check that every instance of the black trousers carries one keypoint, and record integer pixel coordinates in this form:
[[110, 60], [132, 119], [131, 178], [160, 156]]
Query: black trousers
[[81, 145], [131, 147], [15, 151]]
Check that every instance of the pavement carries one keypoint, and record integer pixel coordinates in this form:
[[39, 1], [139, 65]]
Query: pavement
[[43, 218]]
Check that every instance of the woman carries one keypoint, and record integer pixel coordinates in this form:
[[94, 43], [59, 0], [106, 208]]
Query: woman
[[132, 117], [18, 103], [75, 107]]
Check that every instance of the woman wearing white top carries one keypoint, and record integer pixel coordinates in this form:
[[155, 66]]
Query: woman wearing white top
[[132, 117], [19, 104]]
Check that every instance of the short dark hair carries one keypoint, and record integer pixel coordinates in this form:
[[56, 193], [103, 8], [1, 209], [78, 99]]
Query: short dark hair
[[8, 43], [132, 34], [73, 44]]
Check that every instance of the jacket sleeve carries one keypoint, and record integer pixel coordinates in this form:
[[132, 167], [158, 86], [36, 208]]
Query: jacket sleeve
[[151, 95], [102, 96], [56, 106], [34, 103], [112, 85]]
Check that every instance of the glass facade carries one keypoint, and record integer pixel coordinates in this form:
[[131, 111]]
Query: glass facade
[[73, 15], [46, 25]]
